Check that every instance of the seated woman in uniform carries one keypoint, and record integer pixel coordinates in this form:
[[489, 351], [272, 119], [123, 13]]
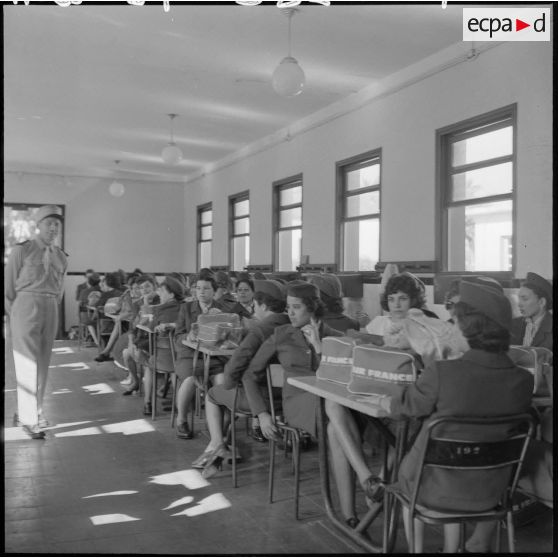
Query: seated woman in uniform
[[269, 303], [430, 339], [331, 295], [126, 349], [131, 295], [165, 314], [469, 386], [534, 327], [244, 305], [204, 303], [298, 348]]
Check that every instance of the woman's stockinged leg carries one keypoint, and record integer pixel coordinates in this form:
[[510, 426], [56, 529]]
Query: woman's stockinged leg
[[343, 473], [214, 417], [184, 398], [348, 437]]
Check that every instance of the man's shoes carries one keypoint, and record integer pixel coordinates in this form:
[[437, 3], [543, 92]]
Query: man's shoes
[[374, 489], [147, 409], [183, 431], [102, 357], [34, 432]]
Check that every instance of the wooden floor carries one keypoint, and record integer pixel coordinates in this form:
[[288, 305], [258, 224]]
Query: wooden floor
[[107, 480]]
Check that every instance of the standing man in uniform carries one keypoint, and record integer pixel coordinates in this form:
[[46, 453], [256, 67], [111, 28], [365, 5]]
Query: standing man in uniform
[[34, 280]]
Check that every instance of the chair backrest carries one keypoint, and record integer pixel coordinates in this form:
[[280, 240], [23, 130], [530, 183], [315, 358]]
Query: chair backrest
[[477, 443], [167, 345], [275, 374]]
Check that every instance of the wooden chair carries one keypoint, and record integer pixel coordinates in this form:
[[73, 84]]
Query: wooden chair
[[463, 453]]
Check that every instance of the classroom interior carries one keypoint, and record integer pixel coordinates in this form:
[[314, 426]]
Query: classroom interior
[[87, 94]]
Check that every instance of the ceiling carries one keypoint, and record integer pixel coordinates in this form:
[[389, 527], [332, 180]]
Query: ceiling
[[87, 85]]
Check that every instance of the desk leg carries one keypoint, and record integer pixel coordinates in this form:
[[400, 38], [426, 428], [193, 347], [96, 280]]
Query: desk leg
[[153, 371], [353, 534]]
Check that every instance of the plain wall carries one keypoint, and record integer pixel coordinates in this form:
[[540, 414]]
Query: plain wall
[[403, 124]]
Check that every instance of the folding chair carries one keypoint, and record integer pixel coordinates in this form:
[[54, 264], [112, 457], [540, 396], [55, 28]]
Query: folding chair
[[467, 453], [232, 430], [276, 378]]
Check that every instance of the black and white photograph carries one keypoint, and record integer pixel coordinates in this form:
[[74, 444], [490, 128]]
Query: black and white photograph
[[278, 278]]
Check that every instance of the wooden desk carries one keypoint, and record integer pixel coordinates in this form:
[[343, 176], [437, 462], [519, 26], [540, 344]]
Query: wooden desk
[[368, 405]]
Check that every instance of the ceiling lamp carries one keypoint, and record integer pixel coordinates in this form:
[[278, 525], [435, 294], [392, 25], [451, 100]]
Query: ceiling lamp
[[171, 154], [288, 78], [116, 188]]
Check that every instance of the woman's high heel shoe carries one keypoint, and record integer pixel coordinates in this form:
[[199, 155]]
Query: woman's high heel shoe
[[215, 463], [230, 457], [131, 390], [202, 460]]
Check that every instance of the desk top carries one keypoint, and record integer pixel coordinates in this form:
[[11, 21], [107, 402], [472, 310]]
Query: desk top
[[542, 401], [145, 328], [210, 351], [366, 404]]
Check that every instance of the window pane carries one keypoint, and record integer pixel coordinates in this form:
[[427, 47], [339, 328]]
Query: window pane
[[241, 208], [363, 204], [290, 217], [205, 254], [242, 226], [488, 181], [205, 233], [206, 217], [361, 246], [289, 250], [240, 253], [362, 178], [479, 237], [290, 196], [486, 146]]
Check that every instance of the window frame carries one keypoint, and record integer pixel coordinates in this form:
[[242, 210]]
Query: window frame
[[342, 194], [278, 187], [234, 199], [200, 210], [445, 137]]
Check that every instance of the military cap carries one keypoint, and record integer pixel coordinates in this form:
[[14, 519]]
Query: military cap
[[541, 285], [488, 301], [328, 284], [48, 211], [270, 287], [174, 286], [301, 289]]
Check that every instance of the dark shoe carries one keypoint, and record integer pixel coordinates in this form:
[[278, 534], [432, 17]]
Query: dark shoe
[[103, 358], [257, 434], [132, 390], [230, 457], [183, 431], [215, 463], [147, 409], [34, 432], [352, 522], [374, 489]]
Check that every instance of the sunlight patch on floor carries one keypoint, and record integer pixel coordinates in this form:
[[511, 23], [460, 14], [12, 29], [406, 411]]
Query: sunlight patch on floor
[[81, 432], [62, 391], [129, 427], [112, 518], [207, 505], [190, 478], [72, 365], [63, 350], [98, 389], [181, 502], [11, 389], [15, 433], [115, 493]]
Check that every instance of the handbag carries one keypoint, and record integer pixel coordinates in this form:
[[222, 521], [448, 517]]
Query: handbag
[[381, 370], [337, 359], [213, 329], [538, 360], [113, 305]]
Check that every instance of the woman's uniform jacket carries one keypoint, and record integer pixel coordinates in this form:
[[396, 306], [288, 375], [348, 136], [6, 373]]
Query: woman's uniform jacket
[[543, 336], [288, 345], [479, 384]]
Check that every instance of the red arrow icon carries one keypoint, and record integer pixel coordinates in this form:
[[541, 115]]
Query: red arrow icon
[[519, 25]]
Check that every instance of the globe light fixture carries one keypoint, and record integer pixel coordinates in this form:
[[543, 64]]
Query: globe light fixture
[[171, 154], [288, 78], [116, 188]]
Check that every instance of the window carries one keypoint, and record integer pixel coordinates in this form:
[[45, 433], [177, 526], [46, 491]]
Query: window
[[288, 224], [205, 235], [239, 219], [358, 217], [476, 185], [19, 225]]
